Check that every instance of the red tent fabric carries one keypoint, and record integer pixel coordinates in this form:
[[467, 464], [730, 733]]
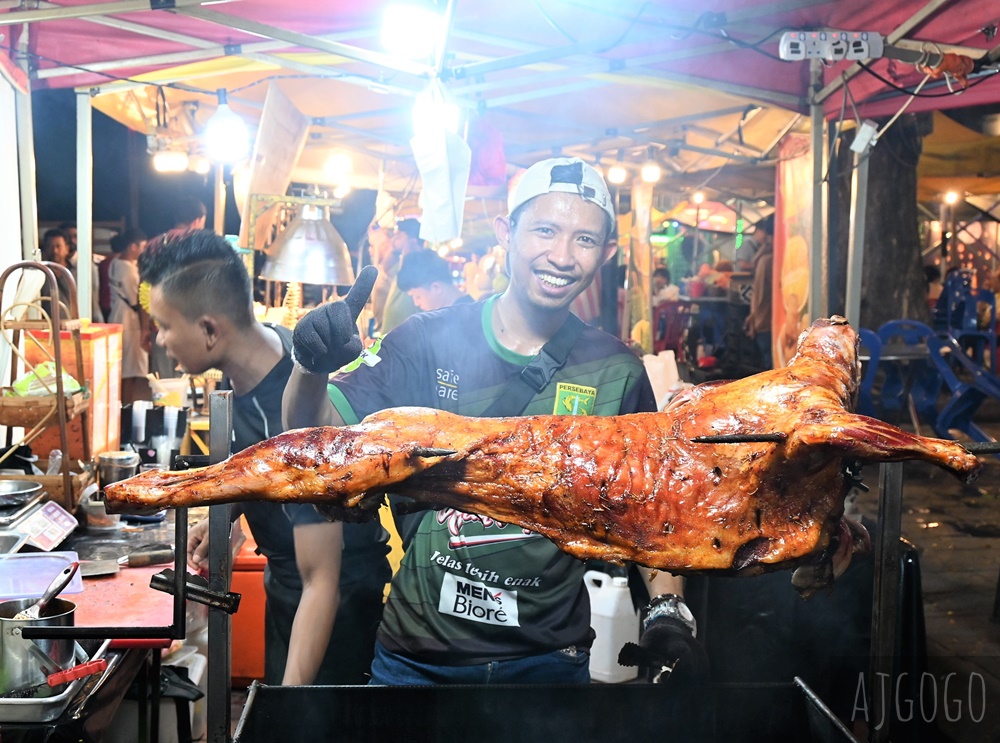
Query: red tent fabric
[[722, 43], [575, 76]]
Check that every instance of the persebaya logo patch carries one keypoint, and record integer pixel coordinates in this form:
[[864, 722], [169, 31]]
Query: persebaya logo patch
[[574, 399]]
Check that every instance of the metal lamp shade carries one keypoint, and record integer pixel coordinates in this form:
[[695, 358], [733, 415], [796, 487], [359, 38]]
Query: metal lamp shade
[[310, 251]]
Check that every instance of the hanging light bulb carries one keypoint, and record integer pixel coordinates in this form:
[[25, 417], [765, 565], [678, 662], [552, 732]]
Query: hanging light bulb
[[617, 173], [951, 198], [226, 137], [338, 167], [698, 197], [650, 172], [201, 165], [170, 161]]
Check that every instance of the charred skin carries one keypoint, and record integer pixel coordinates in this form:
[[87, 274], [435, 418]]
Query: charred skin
[[623, 488]]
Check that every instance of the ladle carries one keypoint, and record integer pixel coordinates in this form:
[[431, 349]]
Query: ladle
[[58, 584]]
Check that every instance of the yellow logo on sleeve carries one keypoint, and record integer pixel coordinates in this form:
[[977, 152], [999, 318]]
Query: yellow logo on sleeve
[[574, 399]]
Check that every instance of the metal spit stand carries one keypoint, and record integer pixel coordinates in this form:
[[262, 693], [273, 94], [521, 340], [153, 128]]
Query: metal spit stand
[[887, 589], [885, 613], [885, 601], [220, 436]]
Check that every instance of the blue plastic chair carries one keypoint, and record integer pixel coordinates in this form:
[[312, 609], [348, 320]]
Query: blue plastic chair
[[958, 314], [978, 338], [915, 377], [950, 311], [872, 347], [966, 397]]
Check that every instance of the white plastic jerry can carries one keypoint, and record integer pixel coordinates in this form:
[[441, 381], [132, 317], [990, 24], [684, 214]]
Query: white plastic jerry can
[[615, 623]]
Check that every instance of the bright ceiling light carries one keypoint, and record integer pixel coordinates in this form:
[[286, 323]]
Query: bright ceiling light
[[341, 190], [201, 165], [617, 174], [411, 31], [226, 136], [170, 161], [951, 198], [650, 172], [338, 167], [698, 197]]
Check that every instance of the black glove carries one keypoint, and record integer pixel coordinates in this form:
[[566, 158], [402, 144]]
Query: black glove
[[667, 646], [327, 338]]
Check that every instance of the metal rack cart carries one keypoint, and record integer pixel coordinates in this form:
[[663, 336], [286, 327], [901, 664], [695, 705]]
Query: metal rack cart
[[29, 323]]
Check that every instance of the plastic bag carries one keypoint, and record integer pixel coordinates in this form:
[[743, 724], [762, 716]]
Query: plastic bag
[[55, 462], [42, 381]]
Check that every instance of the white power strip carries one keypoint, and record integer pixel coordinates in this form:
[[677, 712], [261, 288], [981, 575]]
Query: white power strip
[[831, 45]]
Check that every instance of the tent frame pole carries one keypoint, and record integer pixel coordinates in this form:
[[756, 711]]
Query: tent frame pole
[[138, 28], [293, 38], [84, 204], [818, 264], [856, 240], [219, 197], [82, 11], [26, 156]]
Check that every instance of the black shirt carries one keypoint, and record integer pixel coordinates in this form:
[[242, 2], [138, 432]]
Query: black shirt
[[256, 417]]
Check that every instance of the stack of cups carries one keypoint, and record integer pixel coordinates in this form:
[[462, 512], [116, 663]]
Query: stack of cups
[[171, 439], [139, 408]]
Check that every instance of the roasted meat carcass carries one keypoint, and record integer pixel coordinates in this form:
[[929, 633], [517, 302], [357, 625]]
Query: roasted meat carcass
[[624, 488]]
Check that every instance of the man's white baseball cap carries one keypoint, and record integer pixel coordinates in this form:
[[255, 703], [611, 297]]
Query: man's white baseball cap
[[561, 175]]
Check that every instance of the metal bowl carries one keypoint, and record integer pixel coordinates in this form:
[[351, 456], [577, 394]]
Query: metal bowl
[[17, 492]]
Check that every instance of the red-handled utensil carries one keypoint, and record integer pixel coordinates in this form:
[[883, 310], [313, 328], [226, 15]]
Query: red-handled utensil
[[60, 677]]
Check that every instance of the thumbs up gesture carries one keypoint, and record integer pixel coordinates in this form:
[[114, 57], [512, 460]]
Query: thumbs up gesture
[[327, 338]]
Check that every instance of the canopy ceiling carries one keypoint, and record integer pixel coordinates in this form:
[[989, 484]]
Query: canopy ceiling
[[956, 158], [701, 89]]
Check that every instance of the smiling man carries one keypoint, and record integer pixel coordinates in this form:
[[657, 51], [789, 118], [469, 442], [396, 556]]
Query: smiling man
[[477, 601]]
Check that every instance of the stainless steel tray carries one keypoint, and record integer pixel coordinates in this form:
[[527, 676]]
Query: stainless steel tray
[[49, 708]]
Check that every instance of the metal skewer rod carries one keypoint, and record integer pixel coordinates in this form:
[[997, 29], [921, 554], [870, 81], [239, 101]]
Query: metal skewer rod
[[983, 447], [741, 438]]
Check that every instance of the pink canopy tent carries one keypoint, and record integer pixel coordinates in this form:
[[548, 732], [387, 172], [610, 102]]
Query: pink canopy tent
[[537, 63], [728, 45]]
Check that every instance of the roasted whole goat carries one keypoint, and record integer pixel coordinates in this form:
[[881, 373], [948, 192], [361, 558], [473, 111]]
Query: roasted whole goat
[[624, 488]]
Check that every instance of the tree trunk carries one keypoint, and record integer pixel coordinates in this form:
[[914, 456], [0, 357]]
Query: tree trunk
[[893, 284]]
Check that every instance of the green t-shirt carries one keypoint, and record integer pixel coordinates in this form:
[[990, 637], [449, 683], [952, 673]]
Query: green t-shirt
[[471, 589]]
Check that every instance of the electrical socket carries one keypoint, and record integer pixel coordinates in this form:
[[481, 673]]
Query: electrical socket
[[830, 45], [866, 137], [872, 47]]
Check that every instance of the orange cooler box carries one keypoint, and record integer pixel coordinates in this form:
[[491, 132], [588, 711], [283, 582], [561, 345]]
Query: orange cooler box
[[248, 621]]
